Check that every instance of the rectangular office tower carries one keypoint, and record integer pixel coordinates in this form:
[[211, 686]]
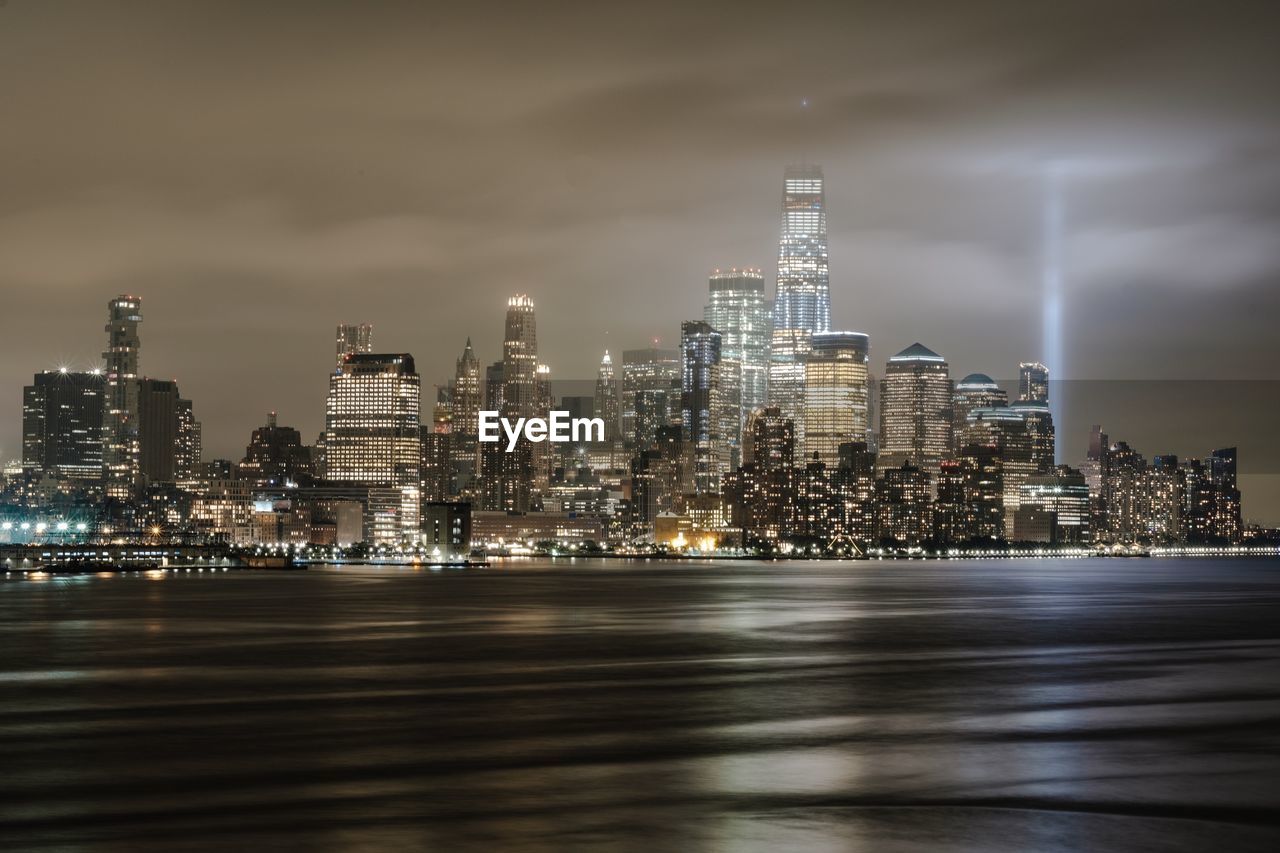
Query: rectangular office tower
[[837, 395], [372, 435], [737, 309], [62, 425]]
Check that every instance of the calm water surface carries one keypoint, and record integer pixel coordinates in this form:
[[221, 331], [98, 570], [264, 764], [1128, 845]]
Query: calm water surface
[[988, 706]]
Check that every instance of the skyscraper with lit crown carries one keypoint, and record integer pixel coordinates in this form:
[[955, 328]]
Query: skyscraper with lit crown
[[803, 297], [606, 398], [802, 301]]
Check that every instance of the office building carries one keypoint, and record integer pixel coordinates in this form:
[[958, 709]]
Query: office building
[[120, 449], [703, 415], [62, 415], [915, 410], [737, 309], [650, 393], [372, 434], [836, 394], [975, 391], [1033, 382], [353, 338]]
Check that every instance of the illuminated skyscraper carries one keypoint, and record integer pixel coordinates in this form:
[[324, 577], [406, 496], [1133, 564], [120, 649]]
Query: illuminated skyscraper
[[467, 395], [353, 338], [1005, 430], [650, 393], [802, 302], [736, 308], [975, 391], [1040, 431], [509, 477], [62, 425], [803, 299], [915, 410], [703, 415], [372, 434], [606, 398], [836, 394], [190, 442], [120, 417], [1033, 382]]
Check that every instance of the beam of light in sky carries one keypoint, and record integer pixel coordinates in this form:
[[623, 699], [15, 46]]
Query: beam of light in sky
[[1051, 289]]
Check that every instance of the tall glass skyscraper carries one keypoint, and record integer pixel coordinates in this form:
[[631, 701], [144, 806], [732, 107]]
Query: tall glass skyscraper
[[802, 302], [803, 299], [736, 308], [703, 415]]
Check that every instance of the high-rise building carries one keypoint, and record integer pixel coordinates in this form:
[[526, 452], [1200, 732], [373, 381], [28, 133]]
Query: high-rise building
[[1166, 486], [1033, 382], [803, 298], [514, 389], [372, 434], [1224, 521], [120, 416], [761, 494], [158, 407], [802, 301], [190, 441], [836, 394], [353, 338], [1062, 496], [915, 410], [1125, 496], [703, 414], [1040, 432], [903, 507], [62, 425], [276, 456], [650, 393], [606, 398], [1005, 430], [467, 397], [975, 391], [737, 309]]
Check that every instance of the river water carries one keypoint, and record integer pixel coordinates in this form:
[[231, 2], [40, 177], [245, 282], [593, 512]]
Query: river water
[[1035, 705]]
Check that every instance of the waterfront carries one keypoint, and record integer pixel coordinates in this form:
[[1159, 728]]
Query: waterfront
[[537, 705]]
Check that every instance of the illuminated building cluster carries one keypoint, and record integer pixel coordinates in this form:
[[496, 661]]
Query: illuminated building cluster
[[763, 431]]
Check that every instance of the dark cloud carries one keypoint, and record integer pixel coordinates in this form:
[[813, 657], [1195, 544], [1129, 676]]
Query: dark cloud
[[259, 172]]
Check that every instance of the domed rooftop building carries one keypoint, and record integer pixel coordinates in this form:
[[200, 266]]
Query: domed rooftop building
[[975, 391]]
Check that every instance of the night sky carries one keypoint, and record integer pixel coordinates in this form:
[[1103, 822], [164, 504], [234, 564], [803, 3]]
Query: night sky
[[258, 175]]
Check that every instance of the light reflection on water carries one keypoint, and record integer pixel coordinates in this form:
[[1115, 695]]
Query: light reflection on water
[[536, 706]]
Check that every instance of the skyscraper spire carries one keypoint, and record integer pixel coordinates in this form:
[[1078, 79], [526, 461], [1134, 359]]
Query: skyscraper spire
[[606, 399]]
